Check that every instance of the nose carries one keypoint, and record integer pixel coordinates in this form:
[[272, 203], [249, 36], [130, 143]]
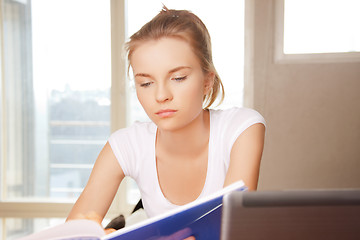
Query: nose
[[163, 93]]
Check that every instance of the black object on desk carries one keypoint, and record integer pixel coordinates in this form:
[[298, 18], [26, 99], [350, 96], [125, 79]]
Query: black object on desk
[[298, 214]]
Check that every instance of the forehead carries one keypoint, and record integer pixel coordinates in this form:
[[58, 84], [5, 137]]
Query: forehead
[[163, 54]]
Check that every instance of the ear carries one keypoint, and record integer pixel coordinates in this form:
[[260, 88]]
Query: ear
[[209, 82]]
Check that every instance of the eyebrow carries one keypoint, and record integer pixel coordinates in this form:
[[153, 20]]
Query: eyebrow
[[171, 71], [178, 68]]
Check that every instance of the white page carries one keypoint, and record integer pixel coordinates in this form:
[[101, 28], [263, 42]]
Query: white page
[[81, 228]]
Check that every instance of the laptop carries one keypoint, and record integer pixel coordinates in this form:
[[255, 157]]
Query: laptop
[[300, 214]]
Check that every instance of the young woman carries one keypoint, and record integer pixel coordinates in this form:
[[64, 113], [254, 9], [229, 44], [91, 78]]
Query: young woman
[[188, 150]]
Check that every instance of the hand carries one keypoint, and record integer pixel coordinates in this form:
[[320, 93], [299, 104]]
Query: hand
[[109, 230], [93, 216]]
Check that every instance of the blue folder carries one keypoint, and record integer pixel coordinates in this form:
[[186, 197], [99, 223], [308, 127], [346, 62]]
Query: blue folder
[[201, 219]]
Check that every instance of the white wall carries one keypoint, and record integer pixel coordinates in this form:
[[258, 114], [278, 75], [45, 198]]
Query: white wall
[[312, 112]]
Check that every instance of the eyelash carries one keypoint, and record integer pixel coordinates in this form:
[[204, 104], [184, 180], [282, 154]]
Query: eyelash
[[177, 79], [147, 84]]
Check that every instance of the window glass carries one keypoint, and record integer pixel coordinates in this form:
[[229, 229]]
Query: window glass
[[57, 90], [321, 26]]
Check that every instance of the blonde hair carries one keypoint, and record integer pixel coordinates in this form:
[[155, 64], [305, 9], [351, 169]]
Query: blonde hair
[[185, 25]]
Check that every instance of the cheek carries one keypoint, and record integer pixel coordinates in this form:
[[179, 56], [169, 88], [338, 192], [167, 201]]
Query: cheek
[[193, 94], [143, 98], [196, 90], [138, 95]]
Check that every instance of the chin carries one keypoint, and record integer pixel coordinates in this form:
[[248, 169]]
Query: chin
[[175, 123], [168, 125]]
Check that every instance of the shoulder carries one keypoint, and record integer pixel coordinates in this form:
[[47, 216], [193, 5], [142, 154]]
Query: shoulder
[[133, 137], [236, 115], [227, 125], [131, 144], [138, 129]]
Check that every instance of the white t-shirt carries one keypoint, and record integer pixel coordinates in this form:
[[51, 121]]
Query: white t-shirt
[[134, 148]]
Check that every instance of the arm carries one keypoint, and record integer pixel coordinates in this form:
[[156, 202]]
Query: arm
[[101, 188], [245, 157]]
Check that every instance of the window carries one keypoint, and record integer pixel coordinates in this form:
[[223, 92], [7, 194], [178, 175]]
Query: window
[[335, 31], [55, 109], [57, 81], [317, 30]]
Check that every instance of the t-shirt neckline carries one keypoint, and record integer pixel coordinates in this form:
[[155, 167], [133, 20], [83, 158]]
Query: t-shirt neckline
[[154, 167]]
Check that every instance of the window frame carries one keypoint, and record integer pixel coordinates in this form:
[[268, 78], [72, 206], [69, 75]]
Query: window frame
[[39, 208], [282, 58]]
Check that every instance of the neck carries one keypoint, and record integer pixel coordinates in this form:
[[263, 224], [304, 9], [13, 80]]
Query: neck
[[188, 140]]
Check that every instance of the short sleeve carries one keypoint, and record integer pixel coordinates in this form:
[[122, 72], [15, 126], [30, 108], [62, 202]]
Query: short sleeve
[[229, 124], [119, 142], [240, 119], [130, 146]]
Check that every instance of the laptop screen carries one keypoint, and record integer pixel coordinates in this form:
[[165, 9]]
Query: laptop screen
[[300, 214]]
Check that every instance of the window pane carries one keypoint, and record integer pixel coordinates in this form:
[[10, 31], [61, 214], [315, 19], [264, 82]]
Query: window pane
[[321, 26], [57, 87]]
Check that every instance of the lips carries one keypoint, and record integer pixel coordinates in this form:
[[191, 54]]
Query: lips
[[166, 113]]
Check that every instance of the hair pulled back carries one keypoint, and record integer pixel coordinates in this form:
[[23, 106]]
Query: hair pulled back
[[185, 25]]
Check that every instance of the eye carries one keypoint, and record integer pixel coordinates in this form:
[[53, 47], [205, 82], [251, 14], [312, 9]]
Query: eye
[[146, 84], [179, 79]]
